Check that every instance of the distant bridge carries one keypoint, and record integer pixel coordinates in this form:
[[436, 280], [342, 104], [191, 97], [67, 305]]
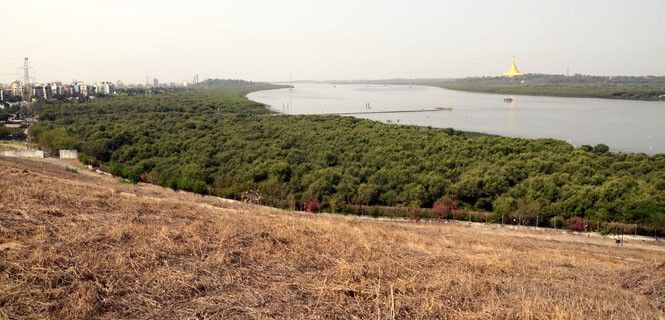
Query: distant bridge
[[393, 111]]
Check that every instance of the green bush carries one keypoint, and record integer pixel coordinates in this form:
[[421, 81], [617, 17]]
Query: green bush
[[11, 133]]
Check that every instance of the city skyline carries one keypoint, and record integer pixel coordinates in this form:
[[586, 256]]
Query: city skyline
[[265, 41]]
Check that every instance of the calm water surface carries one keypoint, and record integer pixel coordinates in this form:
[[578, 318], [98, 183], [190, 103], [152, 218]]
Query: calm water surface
[[629, 126]]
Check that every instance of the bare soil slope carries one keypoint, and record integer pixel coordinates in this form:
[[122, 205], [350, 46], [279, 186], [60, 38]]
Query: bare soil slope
[[78, 245]]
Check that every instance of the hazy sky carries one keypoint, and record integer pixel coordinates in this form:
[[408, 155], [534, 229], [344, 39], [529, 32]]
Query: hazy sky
[[337, 39]]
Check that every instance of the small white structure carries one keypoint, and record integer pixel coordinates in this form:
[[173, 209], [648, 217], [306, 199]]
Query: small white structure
[[68, 154], [23, 154]]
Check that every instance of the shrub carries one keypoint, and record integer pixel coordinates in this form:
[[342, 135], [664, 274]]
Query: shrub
[[11, 133], [601, 149], [557, 222], [83, 158], [251, 196], [415, 214], [445, 206], [312, 205], [375, 212], [577, 224]]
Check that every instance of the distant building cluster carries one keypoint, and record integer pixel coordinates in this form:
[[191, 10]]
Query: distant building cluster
[[18, 90], [28, 90]]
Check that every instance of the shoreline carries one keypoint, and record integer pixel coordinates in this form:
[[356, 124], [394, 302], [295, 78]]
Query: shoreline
[[535, 94]]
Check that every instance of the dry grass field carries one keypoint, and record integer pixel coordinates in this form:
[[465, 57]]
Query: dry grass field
[[77, 245]]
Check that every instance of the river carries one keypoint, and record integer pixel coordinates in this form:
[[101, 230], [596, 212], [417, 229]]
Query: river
[[624, 125]]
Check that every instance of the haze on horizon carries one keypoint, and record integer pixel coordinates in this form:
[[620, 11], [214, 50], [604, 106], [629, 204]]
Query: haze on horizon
[[270, 40]]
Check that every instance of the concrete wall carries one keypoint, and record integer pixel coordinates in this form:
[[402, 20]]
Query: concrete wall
[[23, 153], [69, 154]]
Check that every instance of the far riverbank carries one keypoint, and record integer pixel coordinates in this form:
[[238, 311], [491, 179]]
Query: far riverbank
[[578, 86]]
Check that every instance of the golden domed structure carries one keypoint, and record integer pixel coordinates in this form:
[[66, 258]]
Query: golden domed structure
[[513, 71]]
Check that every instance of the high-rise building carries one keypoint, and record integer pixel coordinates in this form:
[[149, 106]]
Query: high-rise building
[[56, 88], [104, 87], [68, 90], [16, 89], [41, 91], [81, 89], [155, 82]]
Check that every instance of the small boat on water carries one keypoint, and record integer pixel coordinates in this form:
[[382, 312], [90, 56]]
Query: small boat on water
[[507, 99]]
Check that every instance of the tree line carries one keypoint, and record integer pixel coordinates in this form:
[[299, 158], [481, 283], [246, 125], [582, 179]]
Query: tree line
[[622, 87]]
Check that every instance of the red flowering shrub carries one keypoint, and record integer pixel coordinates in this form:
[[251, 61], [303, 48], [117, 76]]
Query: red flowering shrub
[[577, 224], [445, 207], [312, 205]]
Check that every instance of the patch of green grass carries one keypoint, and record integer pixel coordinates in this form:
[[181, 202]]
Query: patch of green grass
[[12, 145]]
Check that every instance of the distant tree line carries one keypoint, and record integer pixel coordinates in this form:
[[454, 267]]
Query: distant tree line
[[621, 87]]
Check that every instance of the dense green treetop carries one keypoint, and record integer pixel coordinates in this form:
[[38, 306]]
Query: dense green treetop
[[219, 142]]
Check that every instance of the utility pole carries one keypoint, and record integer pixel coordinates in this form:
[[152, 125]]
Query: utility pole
[[27, 90], [622, 237]]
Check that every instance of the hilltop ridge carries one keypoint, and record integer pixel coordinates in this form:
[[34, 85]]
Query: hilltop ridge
[[80, 245]]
